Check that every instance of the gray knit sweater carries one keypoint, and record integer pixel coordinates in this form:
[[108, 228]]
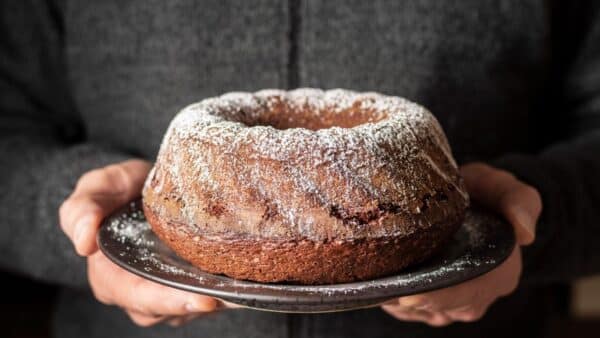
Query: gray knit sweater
[[84, 84]]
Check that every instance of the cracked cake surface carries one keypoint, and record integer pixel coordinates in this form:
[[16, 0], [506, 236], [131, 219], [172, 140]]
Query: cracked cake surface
[[306, 186]]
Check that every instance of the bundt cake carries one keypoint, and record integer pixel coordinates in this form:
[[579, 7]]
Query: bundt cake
[[304, 186]]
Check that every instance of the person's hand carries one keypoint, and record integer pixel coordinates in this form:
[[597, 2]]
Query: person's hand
[[98, 193], [521, 205]]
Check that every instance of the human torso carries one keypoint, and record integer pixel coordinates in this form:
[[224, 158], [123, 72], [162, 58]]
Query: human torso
[[479, 67]]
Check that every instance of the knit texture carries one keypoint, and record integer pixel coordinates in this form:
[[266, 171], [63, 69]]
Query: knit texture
[[82, 85]]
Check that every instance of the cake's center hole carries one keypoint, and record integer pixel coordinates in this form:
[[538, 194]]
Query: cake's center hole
[[282, 115]]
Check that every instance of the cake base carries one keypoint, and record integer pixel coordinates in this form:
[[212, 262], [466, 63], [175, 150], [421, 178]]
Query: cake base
[[301, 261]]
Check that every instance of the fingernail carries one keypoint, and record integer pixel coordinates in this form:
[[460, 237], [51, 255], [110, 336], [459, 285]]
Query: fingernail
[[190, 307], [81, 227], [527, 223], [201, 304], [411, 301]]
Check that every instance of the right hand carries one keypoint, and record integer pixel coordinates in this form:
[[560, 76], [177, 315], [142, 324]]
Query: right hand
[[98, 193]]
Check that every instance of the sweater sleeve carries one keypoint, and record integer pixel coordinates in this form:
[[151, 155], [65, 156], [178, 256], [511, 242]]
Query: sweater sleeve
[[42, 145], [567, 173]]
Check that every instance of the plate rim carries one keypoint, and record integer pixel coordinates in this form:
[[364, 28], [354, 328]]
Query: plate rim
[[305, 297]]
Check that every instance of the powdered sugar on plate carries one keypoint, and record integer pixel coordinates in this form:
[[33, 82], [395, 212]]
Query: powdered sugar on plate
[[482, 243]]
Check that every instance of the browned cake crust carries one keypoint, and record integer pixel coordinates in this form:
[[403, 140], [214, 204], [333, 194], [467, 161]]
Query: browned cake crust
[[300, 261], [268, 187]]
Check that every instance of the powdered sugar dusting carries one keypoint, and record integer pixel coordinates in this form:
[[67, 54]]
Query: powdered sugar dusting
[[141, 245], [347, 167]]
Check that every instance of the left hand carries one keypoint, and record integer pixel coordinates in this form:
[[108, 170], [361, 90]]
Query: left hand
[[521, 205], [97, 194]]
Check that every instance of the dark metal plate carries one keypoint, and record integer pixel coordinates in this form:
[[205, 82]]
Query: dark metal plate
[[482, 243]]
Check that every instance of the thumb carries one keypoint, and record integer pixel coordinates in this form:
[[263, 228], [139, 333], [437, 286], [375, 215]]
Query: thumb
[[97, 194], [502, 192]]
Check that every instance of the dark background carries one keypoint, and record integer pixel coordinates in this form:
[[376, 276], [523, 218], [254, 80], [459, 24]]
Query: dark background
[[26, 308]]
